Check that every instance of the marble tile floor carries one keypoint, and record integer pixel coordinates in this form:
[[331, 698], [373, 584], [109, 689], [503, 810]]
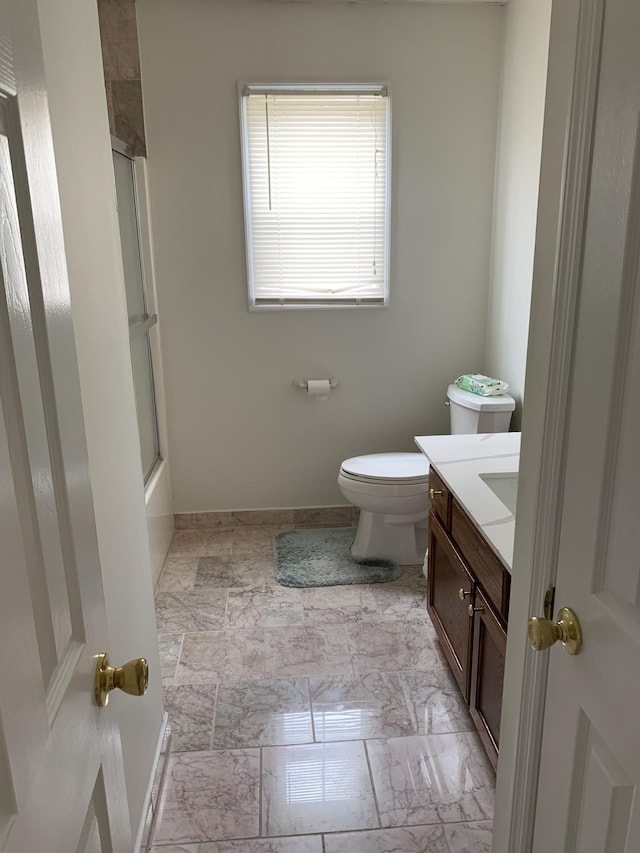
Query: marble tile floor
[[319, 720]]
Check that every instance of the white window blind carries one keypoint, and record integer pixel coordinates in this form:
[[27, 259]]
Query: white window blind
[[316, 181]]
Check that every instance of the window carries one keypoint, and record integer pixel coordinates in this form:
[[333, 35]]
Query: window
[[140, 322], [316, 168]]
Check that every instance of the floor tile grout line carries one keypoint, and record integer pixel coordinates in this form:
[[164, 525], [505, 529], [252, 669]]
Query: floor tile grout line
[[175, 671], [335, 832], [336, 742], [351, 663], [215, 714], [410, 705], [371, 779], [442, 823], [311, 715], [260, 789]]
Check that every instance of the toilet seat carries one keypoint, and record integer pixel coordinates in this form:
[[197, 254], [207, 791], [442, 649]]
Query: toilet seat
[[387, 469]]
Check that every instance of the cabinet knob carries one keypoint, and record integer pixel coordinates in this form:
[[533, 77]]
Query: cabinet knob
[[462, 593], [472, 609], [434, 492]]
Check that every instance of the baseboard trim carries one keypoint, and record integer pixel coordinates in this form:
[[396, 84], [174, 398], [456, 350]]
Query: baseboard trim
[[299, 517], [157, 778]]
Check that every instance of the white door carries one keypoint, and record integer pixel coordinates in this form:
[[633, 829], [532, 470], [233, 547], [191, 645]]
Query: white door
[[61, 774], [589, 782]]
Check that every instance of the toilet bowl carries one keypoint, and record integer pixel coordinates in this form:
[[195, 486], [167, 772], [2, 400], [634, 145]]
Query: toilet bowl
[[392, 489]]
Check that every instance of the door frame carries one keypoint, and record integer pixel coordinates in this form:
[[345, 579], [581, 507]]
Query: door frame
[[570, 107]]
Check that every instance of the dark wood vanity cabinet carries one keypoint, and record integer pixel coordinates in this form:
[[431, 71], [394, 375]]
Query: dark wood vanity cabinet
[[485, 566], [451, 589], [468, 601], [440, 497], [489, 644]]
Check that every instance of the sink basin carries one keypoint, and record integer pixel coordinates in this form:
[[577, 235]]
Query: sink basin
[[504, 487]]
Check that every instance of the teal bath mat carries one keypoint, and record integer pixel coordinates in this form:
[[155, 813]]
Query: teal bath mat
[[322, 557]]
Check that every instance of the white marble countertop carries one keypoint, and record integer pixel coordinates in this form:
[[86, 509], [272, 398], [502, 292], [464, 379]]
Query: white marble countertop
[[460, 460]]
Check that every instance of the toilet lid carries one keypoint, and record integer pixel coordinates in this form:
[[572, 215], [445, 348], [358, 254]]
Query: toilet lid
[[388, 467]]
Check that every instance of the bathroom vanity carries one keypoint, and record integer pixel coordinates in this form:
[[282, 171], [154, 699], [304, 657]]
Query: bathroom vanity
[[473, 485]]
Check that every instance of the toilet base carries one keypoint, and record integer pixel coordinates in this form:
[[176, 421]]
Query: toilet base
[[389, 537]]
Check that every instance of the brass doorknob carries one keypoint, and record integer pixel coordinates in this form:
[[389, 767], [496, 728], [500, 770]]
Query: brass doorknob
[[434, 492], [543, 633], [132, 677], [462, 593]]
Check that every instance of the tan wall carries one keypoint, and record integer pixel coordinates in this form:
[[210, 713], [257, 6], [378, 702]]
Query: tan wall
[[524, 80], [240, 437]]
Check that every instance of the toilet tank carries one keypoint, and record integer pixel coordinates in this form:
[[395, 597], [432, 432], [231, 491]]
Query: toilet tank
[[471, 413]]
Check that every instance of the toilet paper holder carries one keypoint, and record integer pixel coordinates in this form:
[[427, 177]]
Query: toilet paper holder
[[303, 384]]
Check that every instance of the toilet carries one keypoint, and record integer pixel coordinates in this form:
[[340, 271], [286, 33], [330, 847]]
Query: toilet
[[392, 489]]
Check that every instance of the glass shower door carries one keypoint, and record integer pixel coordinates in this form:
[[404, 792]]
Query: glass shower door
[[140, 321]]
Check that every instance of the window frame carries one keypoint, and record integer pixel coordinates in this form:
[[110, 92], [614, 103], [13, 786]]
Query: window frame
[[326, 303]]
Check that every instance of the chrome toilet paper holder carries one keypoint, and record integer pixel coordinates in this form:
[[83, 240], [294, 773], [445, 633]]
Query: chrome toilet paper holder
[[303, 384]]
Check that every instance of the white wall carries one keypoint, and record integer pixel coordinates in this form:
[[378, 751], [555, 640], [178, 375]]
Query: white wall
[[87, 195], [240, 436], [524, 77]]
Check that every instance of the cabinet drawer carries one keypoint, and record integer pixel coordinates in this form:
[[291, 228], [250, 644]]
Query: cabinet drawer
[[489, 571], [440, 498], [447, 577]]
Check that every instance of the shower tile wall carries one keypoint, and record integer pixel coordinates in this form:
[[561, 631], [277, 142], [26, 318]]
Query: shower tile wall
[[320, 720], [121, 65]]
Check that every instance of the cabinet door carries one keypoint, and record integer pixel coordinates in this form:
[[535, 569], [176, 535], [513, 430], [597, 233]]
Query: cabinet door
[[487, 675], [451, 590]]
